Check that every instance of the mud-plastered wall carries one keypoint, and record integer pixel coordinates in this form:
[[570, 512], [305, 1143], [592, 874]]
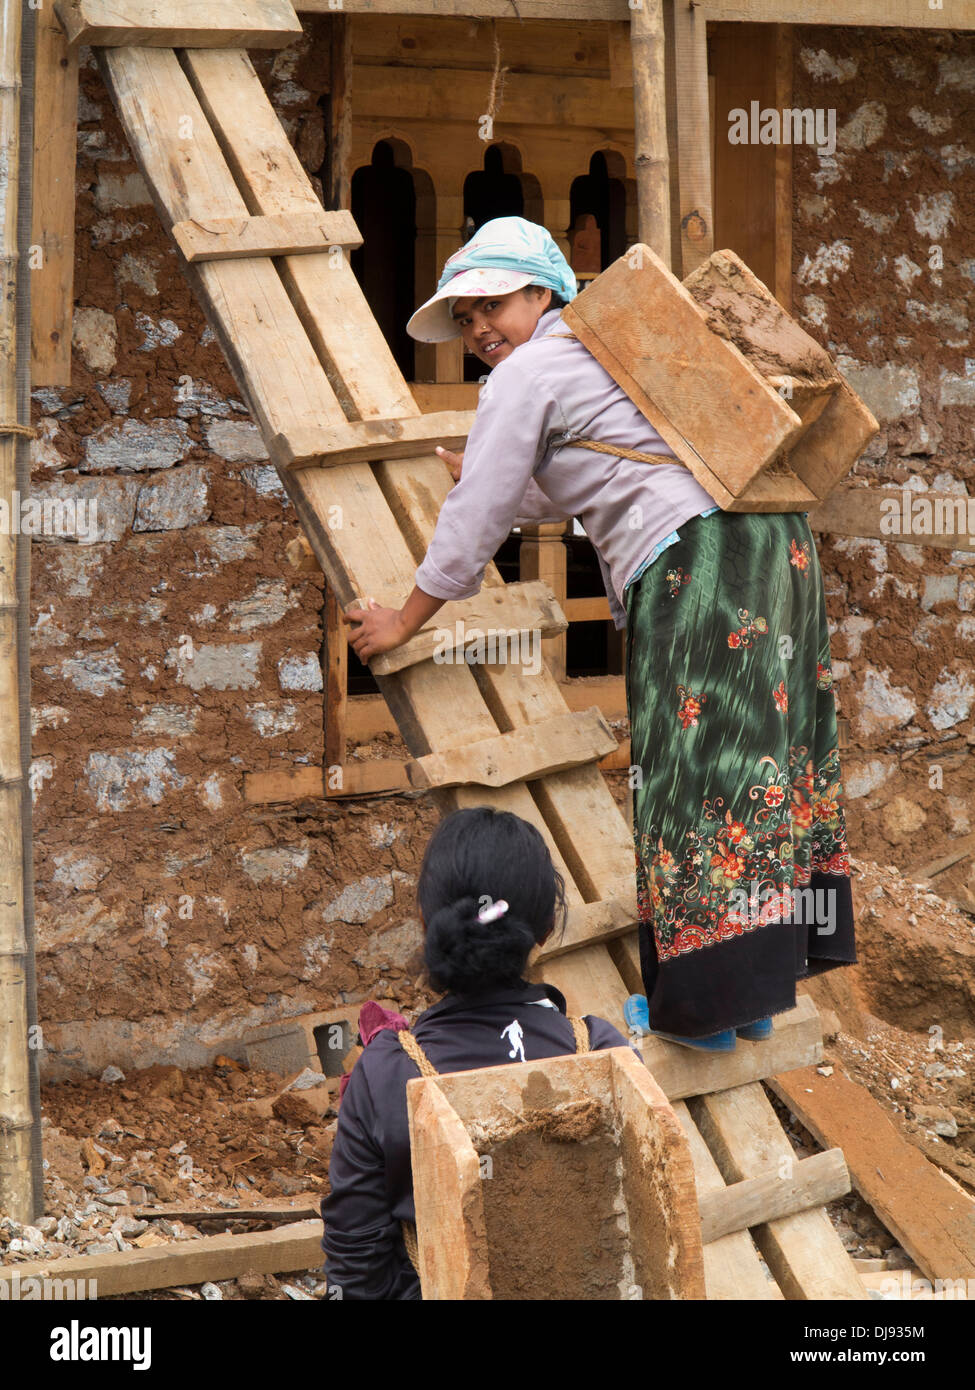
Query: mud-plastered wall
[[884, 268], [174, 650]]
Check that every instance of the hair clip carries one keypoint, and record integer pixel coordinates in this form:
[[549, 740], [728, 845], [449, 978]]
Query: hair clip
[[493, 912]]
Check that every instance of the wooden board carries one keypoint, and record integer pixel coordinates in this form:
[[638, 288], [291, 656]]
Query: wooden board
[[812, 1182], [362, 440], [178, 23], [53, 212], [908, 14], [293, 1247], [522, 755], [693, 137], [803, 1251], [230, 238], [732, 1268], [641, 324], [896, 515], [931, 1217], [683, 1072], [457, 1116]]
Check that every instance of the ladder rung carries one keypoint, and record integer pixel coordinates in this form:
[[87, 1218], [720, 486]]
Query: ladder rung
[[284, 234], [360, 441], [179, 23], [534, 750]]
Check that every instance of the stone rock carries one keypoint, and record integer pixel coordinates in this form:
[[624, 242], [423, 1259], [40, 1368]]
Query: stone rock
[[300, 672], [112, 1074], [174, 501], [277, 864], [270, 600], [72, 869], [270, 720], [117, 780], [211, 1293], [92, 510], [891, 392], [360, 900], [901, 819], [95, 334], [882, 707], [939, 1118], [237, 441], [951, 699], [119, 1198], [137, 271], [200, 398], [136, 446], [169, 720], [116, 394], [156, 334], [96, 674], [121, 191], [232, 542], [219, 666], [394, 945], [263, 478], [862, 778]]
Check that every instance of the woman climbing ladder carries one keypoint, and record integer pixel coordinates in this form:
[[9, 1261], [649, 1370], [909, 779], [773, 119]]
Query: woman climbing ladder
[[739, 832]]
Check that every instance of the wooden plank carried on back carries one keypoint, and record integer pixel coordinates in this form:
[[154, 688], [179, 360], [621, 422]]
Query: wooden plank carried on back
[[709, 364], [172, 23]]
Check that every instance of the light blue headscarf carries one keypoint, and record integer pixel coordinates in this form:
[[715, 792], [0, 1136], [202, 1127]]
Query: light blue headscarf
[[513, 243]]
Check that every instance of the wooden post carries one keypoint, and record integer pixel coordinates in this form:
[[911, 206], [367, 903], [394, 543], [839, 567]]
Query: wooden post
[[650, 126], [339, 131], [336, 685], [543, 556], [783, 171], [693, 136], [16, 1182]]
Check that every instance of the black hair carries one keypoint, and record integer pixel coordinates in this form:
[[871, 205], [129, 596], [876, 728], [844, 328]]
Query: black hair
[[475, 857], [557, 301]]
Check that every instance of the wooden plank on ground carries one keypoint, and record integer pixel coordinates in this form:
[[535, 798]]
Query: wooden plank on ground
[[803, 1251], [961, 849], [932, 1218], [209, 1259], [297, 233], [53, 214], [180, 23], [732, 1268], [898, 516]]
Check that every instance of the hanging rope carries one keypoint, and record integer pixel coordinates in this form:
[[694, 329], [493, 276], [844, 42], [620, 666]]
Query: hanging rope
[[496, 94]]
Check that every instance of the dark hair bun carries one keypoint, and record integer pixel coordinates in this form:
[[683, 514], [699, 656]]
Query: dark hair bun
[[463, 953]]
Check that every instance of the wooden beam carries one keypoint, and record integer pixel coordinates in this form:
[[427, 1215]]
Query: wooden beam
[[522, 755], [812, 1182], [586, 610], [650, 127], [542, 556], [211, 1258], [288, 234], [895, 515], [931, 1217], [336, 673], [179, 23], [888, 14], [362, 441], [338, 193], [53, 213], [693, 136], [559, 10]]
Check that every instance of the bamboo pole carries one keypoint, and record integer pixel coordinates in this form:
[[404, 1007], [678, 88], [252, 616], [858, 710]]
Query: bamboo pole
[[16, 1121], [650, 125]]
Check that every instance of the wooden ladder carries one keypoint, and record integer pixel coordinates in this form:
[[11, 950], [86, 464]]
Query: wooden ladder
[[311, 362]]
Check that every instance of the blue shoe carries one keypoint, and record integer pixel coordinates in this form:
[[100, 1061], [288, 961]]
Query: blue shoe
[[714, 1042], [636, 1014], [756, 1032]]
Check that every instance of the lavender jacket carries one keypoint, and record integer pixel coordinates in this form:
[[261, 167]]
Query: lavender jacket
[[519, 469]]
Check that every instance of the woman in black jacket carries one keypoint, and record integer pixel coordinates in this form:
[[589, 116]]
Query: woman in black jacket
[[488, 893]]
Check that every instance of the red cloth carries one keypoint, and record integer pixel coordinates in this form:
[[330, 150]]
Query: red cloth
[[373, 1018]]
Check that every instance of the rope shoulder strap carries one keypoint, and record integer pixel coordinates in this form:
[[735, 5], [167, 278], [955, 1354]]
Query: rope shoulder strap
[[598, 446]]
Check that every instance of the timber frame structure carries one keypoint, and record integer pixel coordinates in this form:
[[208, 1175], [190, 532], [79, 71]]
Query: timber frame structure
[[313, 367]]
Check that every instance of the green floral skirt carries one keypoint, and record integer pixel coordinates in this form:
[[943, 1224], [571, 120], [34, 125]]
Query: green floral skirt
[[741, 856]]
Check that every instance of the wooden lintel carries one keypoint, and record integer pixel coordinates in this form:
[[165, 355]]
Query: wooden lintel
[[901, 14], [282, 234], [179, 23], [504, 618], [898, 516], [360, 441], [535, 750]]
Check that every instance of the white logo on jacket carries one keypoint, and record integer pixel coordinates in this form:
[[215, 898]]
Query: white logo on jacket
[[515, 1033]]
